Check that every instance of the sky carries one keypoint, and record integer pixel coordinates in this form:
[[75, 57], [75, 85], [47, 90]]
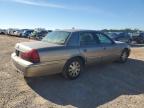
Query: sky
[[65, 14]]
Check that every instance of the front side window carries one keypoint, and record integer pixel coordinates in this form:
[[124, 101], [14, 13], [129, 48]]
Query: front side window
[[104, 39], [56, 37]]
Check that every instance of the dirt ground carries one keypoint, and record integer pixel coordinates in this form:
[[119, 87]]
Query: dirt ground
[[109, 85]]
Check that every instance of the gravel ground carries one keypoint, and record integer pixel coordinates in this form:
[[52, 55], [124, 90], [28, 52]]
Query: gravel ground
[[108, 85]]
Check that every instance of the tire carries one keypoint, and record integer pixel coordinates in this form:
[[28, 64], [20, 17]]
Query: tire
[[73, 68], [124, 56]]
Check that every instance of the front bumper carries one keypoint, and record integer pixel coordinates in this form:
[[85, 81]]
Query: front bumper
[[29, 69]]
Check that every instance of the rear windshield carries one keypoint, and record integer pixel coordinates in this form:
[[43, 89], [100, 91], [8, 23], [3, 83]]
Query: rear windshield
[[56, 37]]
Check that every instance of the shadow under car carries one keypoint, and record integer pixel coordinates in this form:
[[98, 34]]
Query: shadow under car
[[97, 85]]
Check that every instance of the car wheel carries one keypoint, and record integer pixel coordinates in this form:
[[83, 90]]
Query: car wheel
[[124, 56], [73, 68]]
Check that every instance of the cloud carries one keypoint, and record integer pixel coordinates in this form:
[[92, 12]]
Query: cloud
[[38, 3], [43, 3], [77, 8]]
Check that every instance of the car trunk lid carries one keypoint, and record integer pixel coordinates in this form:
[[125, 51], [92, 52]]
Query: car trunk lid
[[26, 47]]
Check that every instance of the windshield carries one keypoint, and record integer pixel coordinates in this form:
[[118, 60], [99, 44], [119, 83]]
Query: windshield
[[56, 37]]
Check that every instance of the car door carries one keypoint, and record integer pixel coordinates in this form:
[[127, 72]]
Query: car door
[[110, 49], [89, 47]]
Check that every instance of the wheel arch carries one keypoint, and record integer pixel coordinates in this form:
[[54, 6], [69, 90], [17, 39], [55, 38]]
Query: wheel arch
[[74, 57], [128, 50], [81, 58]]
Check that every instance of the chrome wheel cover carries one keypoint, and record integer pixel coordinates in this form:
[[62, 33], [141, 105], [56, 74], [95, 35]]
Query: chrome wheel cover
[[74, 69]]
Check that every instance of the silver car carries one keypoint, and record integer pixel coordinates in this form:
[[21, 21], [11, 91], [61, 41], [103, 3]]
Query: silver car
[[67, 52]]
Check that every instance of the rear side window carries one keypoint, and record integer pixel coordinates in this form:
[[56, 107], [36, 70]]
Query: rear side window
[[87, 38], [56, 37]]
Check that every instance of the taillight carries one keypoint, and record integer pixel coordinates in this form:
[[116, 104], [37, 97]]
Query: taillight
[[32, 56]]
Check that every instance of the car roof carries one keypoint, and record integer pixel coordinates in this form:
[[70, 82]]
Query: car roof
[[77, 30]]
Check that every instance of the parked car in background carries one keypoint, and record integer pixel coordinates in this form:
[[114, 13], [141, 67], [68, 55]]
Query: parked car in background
[[67, 52], [139, 38], [38, 35], [17, 33], [12, 32], [2, 31], [112, 35], [26, 33], [123, 37], [8, 31]]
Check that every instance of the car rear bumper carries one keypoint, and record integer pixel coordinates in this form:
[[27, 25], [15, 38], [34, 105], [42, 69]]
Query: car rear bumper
[[29, 69]]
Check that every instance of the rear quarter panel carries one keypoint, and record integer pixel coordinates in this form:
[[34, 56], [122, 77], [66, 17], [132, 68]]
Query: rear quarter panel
[[58, 53]]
